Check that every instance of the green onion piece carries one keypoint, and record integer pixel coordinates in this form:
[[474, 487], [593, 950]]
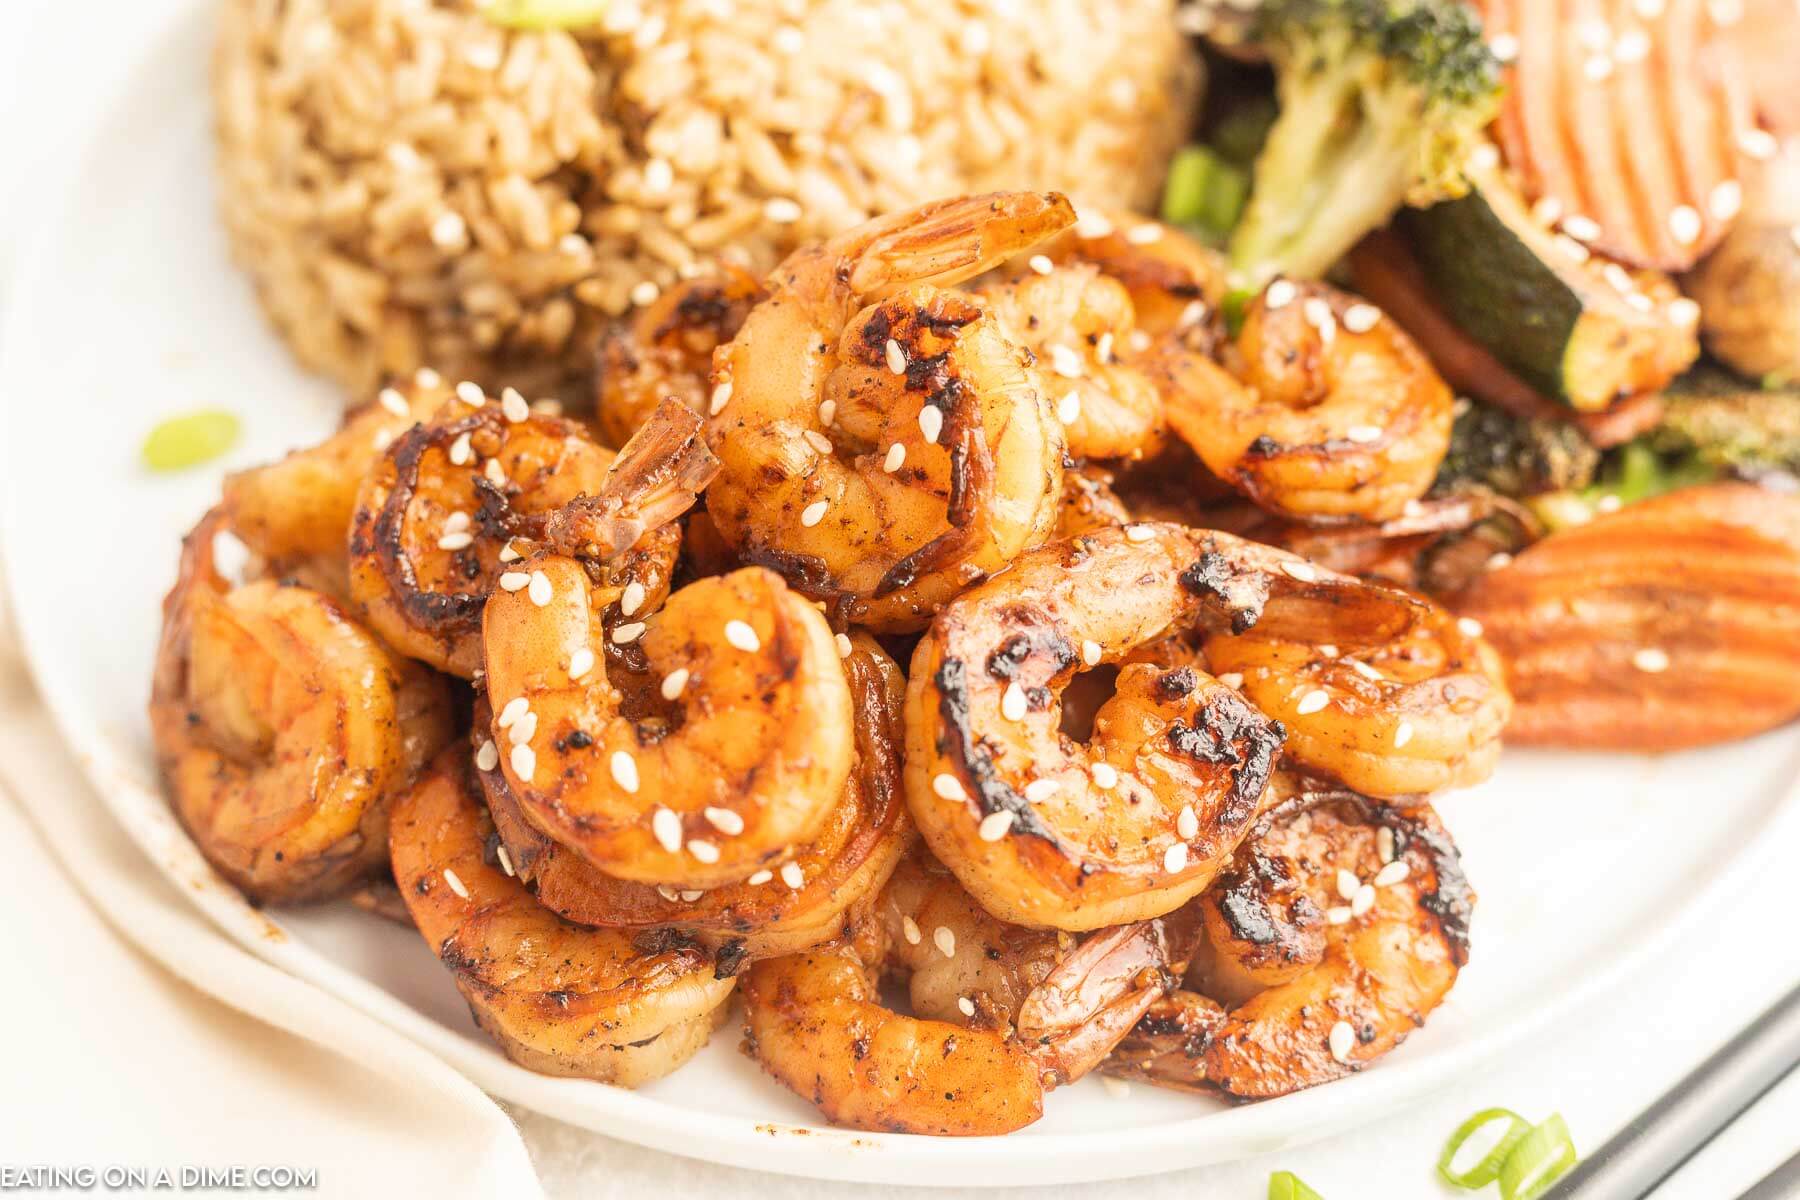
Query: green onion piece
[[1233, 306], [1227, 190], [544, 14], [1203, 191], [187, 441], [1541, 1157], [1285, 1185], [1488, 1169]]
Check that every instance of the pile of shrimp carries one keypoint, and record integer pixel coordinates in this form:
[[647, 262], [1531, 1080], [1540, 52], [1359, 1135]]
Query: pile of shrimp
[[901, 641]]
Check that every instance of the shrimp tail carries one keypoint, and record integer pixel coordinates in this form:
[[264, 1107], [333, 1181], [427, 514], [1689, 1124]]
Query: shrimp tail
[[657, 477], [1168, 1047], [943, 244], [1094, 998]]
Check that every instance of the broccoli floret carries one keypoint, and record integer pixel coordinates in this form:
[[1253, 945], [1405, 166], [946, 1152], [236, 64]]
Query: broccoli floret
[[1514, 456], [1381, 103]]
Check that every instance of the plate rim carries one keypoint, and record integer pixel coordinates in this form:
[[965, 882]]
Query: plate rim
[[815, 1151]]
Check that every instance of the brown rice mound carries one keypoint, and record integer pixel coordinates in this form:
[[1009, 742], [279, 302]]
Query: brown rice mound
[[409, 184]]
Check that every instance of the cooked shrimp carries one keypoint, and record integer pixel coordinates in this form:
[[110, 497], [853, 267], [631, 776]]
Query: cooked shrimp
[[1392, 718], [562, 1000], [1176, 283], [1333, 412], [780, 909], [297, 512], [1045, 831], [1068, 1000], [1339, 926], [283, 728], [884, 440], [667, 349], [744, 758], [1088, 502]]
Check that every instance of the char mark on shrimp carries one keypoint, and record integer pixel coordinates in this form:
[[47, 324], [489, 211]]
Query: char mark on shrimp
[[1215, 579], [1228, 731], [959, 745]]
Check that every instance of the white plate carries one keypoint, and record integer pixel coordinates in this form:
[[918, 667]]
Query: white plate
[[126, 311]]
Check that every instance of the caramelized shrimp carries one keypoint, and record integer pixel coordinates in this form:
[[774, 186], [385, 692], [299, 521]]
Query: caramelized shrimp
[[667, 349], [1339, 926], [780, 909], [744, 756], [283, 728], [1176, 283], [1046, 831], [1332, 413], [562, 1000], [884, 440], [1088, 502], [1409, 716]]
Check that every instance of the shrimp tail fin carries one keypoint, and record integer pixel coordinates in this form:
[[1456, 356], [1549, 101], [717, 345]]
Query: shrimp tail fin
[[1094, 998], [657, 477], [945, 243]]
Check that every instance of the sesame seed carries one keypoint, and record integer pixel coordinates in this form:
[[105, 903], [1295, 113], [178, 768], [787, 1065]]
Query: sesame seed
[[581, 662], [524, 761], [456, 883], [1092, 225], [632, 598], [896, 357], [1232, 679], [1299, 569], [1572, 249], [674, 682], [931, 423], [523, 729], [628, 633], [965, 1005], [1192, 315], [843, 645], [1759, 144], [1341, 1039], [945, 941], [1363, 434], [462, 539], [1725, 200], [1393, 873], [721, 396], [948, 787], [1175, 859], [1338, 915], [515, 709], [909, 928], [827, 412], [724, 820], [382, 440], [668, 893], [1360, 318], [995, 825], [782, 210], [1684, 311], [1012, 702], [1103, 347], [1651, 660], [1469, 626], [793, 876], [513, 406], [741, 636], [1504, 46], [1384, 843], [1090, 653], [1619, 277], [1317, 313], [1138, 340], [1068, 409], [449, 230], [488, 757], [896, 455], [539, 589], [1582, 229], [506, 863], [393, 401], [1684, 224], [461, 451], [455, 521], [1365, 670], [813, 513], [1597, 68], [1609, 503], [1106, 776], [1327, 649], [1139, 534], [664, 824], [1041, 264], [704, 852], [760, 878], [1347, 883], [425, 377], [1314, 701], [1187, 823], [1147, 234], [1279, 294], [817, 441], [644, 293], [692, 894], [1497, 561], [659, 176], [471, 394], [495, 475], [1546, 210], [1064, 361], [1403, 733], [1040, 790], [1363, 901]]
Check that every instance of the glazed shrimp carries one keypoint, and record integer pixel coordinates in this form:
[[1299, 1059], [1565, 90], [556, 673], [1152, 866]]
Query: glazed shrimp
[[1088, 502], [449, 510], [1339, 926], [562, 1000], [781, 909], [283, 728], [884, 441], [744, 758], [1409, 716], [1046, 831], [1176, 284], [1333, 411], [1068, 1000]]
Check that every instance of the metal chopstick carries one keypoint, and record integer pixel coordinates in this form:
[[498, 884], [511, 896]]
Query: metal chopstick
[[1687, 1116], [1783, 1183]]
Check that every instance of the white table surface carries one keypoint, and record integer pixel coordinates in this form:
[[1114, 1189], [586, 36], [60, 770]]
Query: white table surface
[[1597, 1071]]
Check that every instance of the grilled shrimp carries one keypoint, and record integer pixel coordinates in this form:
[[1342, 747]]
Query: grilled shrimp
[[1176, 284], [1088, 502], [1416, 714], [779, 910], [667, 349], [562, 1000], [296, 512], [283, 728], [1069, 1001], [1332, 413], [742, 756], [1339, 926], [884, 440], [1046, 831]]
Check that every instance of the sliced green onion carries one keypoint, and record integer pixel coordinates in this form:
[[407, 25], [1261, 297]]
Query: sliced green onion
[[187, 441], [1204, 191], [1488, 1169], [544, 14], [1285, 1185], [1541, 1157], [1233, 306]]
